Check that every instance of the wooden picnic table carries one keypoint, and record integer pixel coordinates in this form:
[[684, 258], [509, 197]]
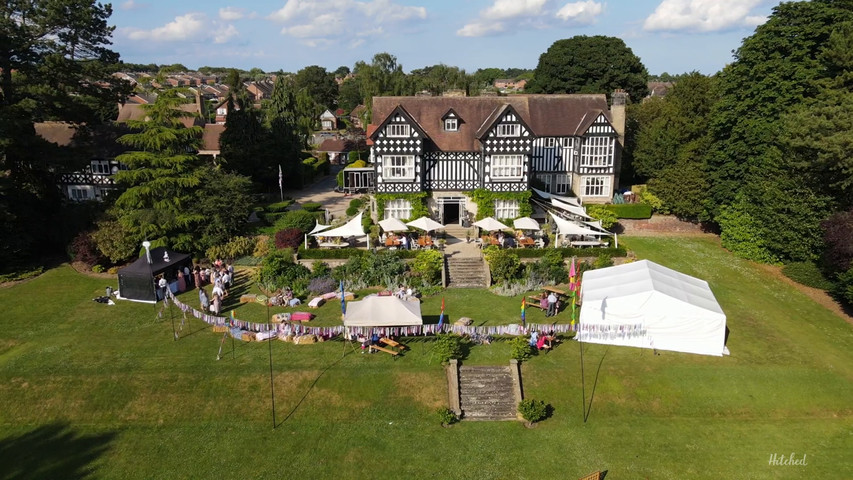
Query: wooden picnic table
[[392, 242], [587, 243], [555, 290], [334, 244], [526, 242], [425, 242]]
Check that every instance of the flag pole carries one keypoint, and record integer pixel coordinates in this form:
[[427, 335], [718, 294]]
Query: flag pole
[[280, 183]]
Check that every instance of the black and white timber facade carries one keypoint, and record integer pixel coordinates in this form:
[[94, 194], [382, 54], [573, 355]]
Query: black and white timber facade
[[563, 144]]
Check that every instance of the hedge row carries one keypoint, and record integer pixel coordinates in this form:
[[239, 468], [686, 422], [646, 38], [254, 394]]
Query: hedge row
[[571, 252], [278, 206], [630, 210], [313, 168], [321, 253]]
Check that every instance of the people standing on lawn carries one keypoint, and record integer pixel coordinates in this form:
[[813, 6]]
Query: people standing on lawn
[[163, 285], [197, 277], [216, 306], [552, 304], [404, 242], [203, 300]]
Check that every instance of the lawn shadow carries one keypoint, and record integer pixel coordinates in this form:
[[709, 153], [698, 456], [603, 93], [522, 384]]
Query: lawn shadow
[[310, 388], [52, 451], [588, 409]]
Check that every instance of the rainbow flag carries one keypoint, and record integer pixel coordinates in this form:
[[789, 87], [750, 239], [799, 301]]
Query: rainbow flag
[[441, 317], [523, 306]]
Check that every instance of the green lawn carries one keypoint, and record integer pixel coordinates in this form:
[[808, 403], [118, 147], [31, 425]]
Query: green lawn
[[90, 390]]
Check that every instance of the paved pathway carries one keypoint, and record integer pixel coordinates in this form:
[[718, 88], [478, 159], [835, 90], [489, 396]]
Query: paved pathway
[[323, 192]]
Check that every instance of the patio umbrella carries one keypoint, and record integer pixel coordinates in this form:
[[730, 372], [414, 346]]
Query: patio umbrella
[[425, 223], [393, 225], [525, 223], [490, 224]]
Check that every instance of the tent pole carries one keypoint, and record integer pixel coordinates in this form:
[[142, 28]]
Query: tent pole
[[172, 316], [583, 385], [272, 385]]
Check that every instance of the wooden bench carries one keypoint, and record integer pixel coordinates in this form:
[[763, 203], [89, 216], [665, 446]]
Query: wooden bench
[[534, 302], [592, 476], [391, 352], [392, 343], [555, 290]]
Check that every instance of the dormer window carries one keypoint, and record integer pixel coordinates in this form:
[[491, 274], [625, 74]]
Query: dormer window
[[509, 130], [399, 130], [451, 125], [550, 142]]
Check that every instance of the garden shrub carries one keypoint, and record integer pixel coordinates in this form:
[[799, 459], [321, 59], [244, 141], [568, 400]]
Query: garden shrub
[[503, 263], [235, 248], [112, 270], [279, 206], [263, 246], [357, 164], [446, 416], [301, 219], [346, 253], [520, 349], [321, 285], [603, 260], [844, 287], [427, 266], [311, 206], [533, 410], [352, 211], [600, 212], [278, 270], [548, 269], [288, 238], [448, 346], [630, 210], [98, 268], [808, 274], [84, 249], [320, 268], [356, 203]]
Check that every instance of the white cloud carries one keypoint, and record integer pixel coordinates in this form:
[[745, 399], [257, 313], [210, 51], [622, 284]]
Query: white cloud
[[580, 12], [131, 5], [702, 15], [231, 13], [192, 27], [320, 22], [511, 15]]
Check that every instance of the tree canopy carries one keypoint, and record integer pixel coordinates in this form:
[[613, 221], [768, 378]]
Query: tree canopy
[[583, 64]]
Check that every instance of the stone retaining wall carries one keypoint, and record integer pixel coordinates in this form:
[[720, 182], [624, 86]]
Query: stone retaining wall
[[659, 224]]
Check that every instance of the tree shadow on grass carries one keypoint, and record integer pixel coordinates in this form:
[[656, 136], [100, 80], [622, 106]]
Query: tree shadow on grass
[[52, 451]]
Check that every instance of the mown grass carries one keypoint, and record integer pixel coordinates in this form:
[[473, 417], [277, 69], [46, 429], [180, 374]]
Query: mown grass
[[105, 391]]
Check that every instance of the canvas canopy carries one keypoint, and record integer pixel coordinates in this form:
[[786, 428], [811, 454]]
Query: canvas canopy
[[490, 224], [547, 196], [136, 281], [568, 227], [643, 304], [353, 228], [573, 209], [525, 223], [426, 224], [393, 225], [318, 227], [376, 311]]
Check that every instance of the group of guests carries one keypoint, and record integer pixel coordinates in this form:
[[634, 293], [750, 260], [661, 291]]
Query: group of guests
[[221, 276], [541, 341], [405, 240], [550, 303], [404, 293]]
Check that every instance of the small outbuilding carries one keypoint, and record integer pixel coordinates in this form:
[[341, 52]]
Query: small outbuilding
[[136, 281]]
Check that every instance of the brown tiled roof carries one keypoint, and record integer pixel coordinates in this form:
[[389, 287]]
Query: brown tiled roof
[[60, 133], [136, 112], [334, 145], [210, 137], [546, 115]]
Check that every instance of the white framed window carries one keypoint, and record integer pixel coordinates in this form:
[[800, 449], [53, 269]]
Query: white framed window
[[398, 167], [549, 142], [568, 142], [596, 186], [507, 167], [451, 124], [506, 209], [561, 186], [101, 168], [509, 130], [79, 194], [597, 152], [398, 208], [399, 130]]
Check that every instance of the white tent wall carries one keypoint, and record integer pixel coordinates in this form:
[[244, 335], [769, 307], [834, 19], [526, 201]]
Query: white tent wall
[[646, 305], [375, 311]]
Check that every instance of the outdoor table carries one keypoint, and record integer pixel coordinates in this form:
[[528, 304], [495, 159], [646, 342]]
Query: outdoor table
[[526, 242], [392, 242], [587, 243], [334, 245], [425, 242]]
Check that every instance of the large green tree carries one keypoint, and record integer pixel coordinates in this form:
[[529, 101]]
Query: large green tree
[[282, 120], [583, 64], [319, 84], [670, 145], [162, 180], [55, 64]]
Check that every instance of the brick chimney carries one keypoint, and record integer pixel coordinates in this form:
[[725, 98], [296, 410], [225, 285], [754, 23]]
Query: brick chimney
[[618, 102]]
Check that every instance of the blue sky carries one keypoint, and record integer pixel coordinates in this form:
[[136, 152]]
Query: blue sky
[[672, 36]]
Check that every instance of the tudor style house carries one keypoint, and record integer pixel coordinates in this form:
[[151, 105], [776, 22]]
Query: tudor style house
[[447, 146]]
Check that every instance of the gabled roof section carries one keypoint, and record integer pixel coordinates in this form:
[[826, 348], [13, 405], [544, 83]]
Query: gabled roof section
[[210, 137], [499, 113], [387, 119], [451, 114], [545, 115], [601, 118], [327, 114], [136, 112]]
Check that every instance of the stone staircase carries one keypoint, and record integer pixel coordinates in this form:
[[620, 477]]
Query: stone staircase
[[487, 393], [466, 272]]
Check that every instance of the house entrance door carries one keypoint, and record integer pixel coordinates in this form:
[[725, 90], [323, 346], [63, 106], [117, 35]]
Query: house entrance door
[[452, 210]]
